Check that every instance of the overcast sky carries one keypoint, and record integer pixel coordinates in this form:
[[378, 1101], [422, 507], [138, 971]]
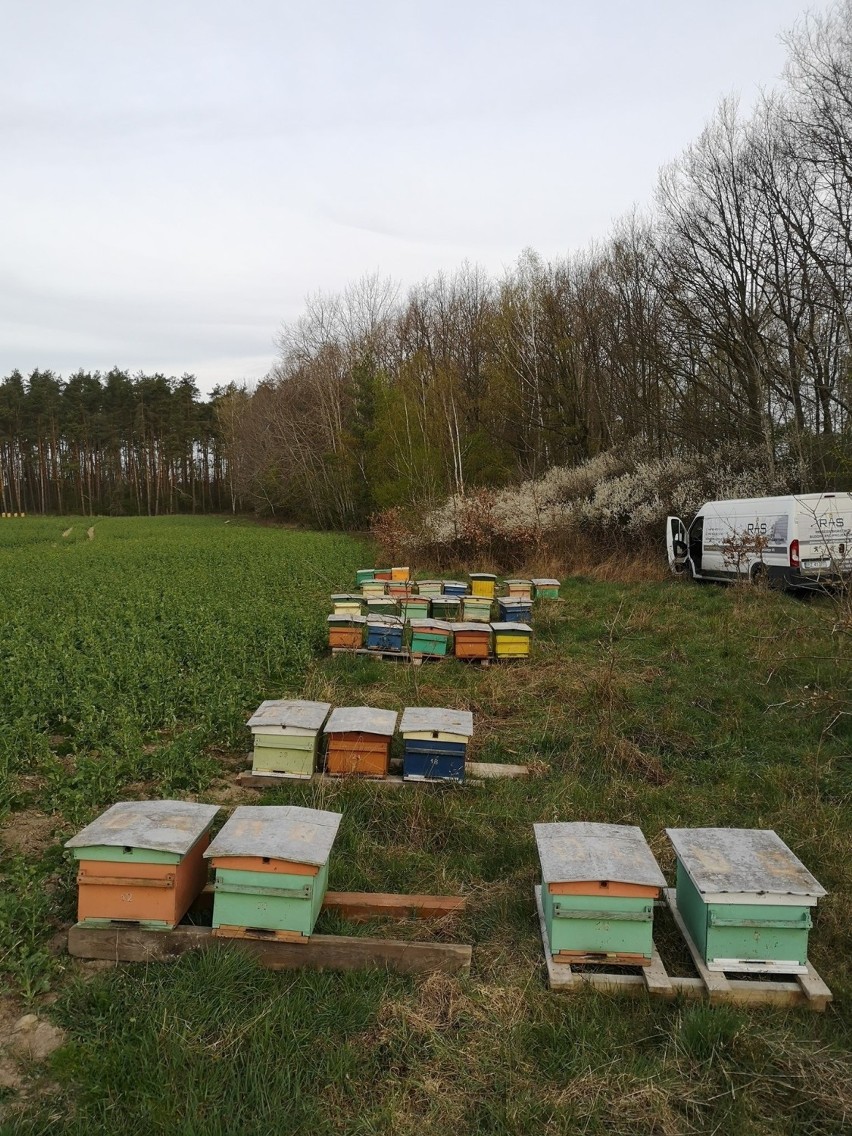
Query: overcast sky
[[175, 176]]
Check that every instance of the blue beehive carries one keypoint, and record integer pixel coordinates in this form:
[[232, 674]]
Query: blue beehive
[[384, 633], [515, 609], [435, 743], [455, 588]]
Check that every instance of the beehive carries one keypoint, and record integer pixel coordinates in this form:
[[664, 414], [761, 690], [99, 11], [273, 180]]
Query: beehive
[[401, 573], [364, 576], [346, 631], [414, 607], [383, 574], [515, 609], [446, 607], [744, 897], [512, 640], [431, 637], [345, 603], [384, 633], [271, 864], [400, 589], [483, 584], [359, 739], [476, 609], [546, 589], [471, 640], [371, 588], [455, 588], [520, 588], [599, 883], [142, 862], [429, 587], [286, 736], [382, 605], [435, 743]]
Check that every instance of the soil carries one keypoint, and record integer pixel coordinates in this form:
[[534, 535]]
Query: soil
[[23, 1037], [28, 832]]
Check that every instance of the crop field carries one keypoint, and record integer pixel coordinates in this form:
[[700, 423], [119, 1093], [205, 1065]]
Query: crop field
[[129, 664]]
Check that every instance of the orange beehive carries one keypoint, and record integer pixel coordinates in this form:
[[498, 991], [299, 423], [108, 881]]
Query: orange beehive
[[346, 631], [400, 573], [472, 640], [142, 862], [359, 739]]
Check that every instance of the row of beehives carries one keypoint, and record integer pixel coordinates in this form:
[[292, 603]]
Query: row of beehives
[[431, 638], [358, 740], [471, 609], [398, 582], [744, 897]]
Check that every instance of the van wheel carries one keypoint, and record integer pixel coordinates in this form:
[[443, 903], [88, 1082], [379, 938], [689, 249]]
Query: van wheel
[[758, 575]]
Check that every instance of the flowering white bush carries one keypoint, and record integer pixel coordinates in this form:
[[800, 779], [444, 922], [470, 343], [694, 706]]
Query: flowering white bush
[[606, 496]]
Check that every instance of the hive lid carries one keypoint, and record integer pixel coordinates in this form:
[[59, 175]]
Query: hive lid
[[415, 599], [580, 851], [445, 598], [543, 582], [511, 627], [280, 832], [282, 712], [382, 620], [518, 580], [160, 826], [454, 583], [376, 600], [361, 720], [433, 582], [482, 576], [419, 718], [485, 627], [741, 860], [346, 618], [353, 596], [430, 625]]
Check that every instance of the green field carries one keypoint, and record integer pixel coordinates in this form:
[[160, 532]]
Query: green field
[[128, 666]]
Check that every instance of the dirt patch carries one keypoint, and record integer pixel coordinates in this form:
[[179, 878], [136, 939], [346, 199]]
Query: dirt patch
[[228, 793], [28, 832], [23, 1037]]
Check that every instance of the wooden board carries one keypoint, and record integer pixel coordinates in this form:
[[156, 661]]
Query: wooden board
[[363, 906], [475, 773], [320, 952], [808, 991], [717, 985], [398, 656]]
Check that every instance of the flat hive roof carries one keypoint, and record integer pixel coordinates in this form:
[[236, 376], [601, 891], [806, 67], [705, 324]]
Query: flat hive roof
[[741, 860], [287, 712], [361, 720], [437, 718], [160, 826], [581, 851], [277, 832]]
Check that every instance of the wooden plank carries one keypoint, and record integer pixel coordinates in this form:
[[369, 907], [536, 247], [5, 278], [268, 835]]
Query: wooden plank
[[321, 952], [814, 989], [599, 958], [228, 931], [717, 985], [249, 780], [361, 906], [655, 978], [487, 769]]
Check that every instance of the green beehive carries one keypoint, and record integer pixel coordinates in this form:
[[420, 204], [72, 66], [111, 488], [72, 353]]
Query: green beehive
[[431, 637], [546, 588], [446, 607], [599, 883], [745, 898], [286, 736], [414, 607], [382, 605], [364, 575], [429, 588], [476, 609], [271, 865]]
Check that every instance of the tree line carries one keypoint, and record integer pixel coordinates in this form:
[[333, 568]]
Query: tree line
[[111, 443], [722, 315]]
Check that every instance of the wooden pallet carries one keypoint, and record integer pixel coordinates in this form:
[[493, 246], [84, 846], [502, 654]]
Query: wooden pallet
[[808, 990], [475, 773], [403, 656], [285, 951]]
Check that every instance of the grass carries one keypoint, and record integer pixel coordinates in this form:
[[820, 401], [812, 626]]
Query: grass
[[135, 659]]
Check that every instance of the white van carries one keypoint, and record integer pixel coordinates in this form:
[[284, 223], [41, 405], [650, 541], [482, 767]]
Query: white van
[[802, 541]]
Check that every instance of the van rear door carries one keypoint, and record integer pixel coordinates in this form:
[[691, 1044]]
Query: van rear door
[[824, 528], [676, 545]]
